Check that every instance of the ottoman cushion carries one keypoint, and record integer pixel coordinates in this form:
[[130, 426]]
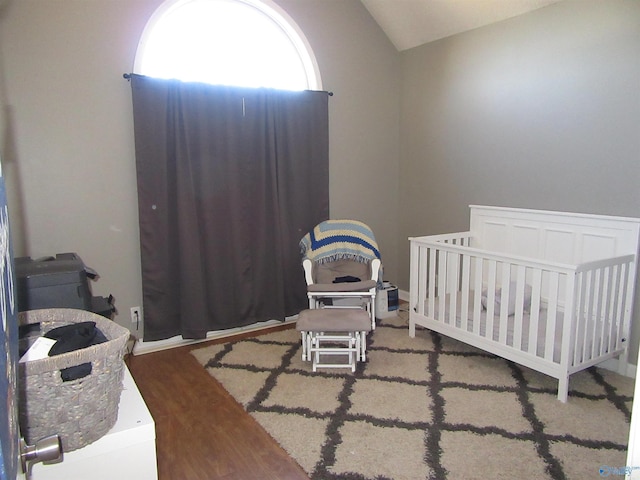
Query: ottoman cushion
[[334, 320]]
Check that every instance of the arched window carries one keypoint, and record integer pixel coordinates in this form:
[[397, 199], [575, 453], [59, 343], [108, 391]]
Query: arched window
[[247, 43]]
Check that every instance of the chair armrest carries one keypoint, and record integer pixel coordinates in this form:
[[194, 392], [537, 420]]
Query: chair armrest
[[308, 271], [375, 269]]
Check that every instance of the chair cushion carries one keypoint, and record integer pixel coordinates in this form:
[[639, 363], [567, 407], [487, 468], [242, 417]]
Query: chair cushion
[[342, 287], [334, 320]]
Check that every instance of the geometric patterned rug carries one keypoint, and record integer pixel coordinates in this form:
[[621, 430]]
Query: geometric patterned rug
[[427, 407]]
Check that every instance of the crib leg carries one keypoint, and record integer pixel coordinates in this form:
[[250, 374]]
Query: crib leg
[[623, 361], [563, 389], [412, 329]]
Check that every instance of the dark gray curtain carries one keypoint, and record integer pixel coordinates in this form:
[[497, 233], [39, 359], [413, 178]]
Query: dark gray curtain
[[229, 180]]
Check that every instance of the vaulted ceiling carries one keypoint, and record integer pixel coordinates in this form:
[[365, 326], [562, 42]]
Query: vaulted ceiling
[[409, 23]]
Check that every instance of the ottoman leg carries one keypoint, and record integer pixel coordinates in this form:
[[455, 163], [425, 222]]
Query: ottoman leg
[[309, 339], [304, 346], [363, 346], [353, 352]]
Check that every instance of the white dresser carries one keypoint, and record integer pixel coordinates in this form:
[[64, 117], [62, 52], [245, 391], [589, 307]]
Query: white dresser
[[128, 450]]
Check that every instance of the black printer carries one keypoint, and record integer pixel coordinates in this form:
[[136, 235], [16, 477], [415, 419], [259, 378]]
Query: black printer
[[58, 282]]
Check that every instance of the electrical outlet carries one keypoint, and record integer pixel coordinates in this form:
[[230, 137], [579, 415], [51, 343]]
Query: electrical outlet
[[136, 314]]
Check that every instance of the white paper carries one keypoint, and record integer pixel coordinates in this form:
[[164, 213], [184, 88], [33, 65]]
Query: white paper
[[39, 349]]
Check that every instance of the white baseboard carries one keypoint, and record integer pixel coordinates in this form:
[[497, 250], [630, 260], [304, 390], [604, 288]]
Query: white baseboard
[[613, 363], [141, 347]]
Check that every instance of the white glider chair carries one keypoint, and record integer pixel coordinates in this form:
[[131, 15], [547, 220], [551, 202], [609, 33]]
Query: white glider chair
[[342, 265], [326, 290], [342, 270]]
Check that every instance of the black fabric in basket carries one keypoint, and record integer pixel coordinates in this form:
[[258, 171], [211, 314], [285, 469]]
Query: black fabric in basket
[[74, 337]]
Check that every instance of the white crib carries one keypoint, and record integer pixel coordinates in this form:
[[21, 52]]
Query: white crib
[[551, 291]]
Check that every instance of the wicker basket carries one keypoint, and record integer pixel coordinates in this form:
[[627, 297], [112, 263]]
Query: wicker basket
[[79, 411]]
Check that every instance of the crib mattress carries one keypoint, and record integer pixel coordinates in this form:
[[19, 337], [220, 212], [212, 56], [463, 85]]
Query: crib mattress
[[540, 332]]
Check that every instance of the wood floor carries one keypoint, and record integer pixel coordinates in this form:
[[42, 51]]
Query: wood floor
[[201, 432]]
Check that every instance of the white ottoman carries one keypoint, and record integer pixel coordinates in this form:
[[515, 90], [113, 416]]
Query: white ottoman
[[331, 332]]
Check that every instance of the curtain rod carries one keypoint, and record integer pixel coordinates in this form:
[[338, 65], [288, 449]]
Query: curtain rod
[[127, 76]]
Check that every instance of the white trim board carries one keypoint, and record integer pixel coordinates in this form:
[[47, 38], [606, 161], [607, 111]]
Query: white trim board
[[403, 295], [141, 347]]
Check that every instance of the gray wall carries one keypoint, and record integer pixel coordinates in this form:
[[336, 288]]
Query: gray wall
[[360, 65], [539, 111], [66, 134]]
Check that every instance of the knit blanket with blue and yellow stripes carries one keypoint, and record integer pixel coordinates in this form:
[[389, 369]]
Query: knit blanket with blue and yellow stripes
[[340, 239]]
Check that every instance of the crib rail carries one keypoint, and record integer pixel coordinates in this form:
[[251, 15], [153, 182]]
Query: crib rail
[[554, 313], [603, 307]]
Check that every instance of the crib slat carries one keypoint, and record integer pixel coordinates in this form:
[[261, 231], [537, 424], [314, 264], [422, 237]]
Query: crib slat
[[613, 340], [626, 290], [419, 256], [605, 319], [442, 279], [504, 303], [534, 320], [588, 313], [519, 314], [597, 312], [592, 322], [432, 283], [580, 315], [608, 319], [464, 288], [568, 327], [477, 301], [491, 298], [593, 312], [552, 316], [616, 279], [453, 264], [597, 318]]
